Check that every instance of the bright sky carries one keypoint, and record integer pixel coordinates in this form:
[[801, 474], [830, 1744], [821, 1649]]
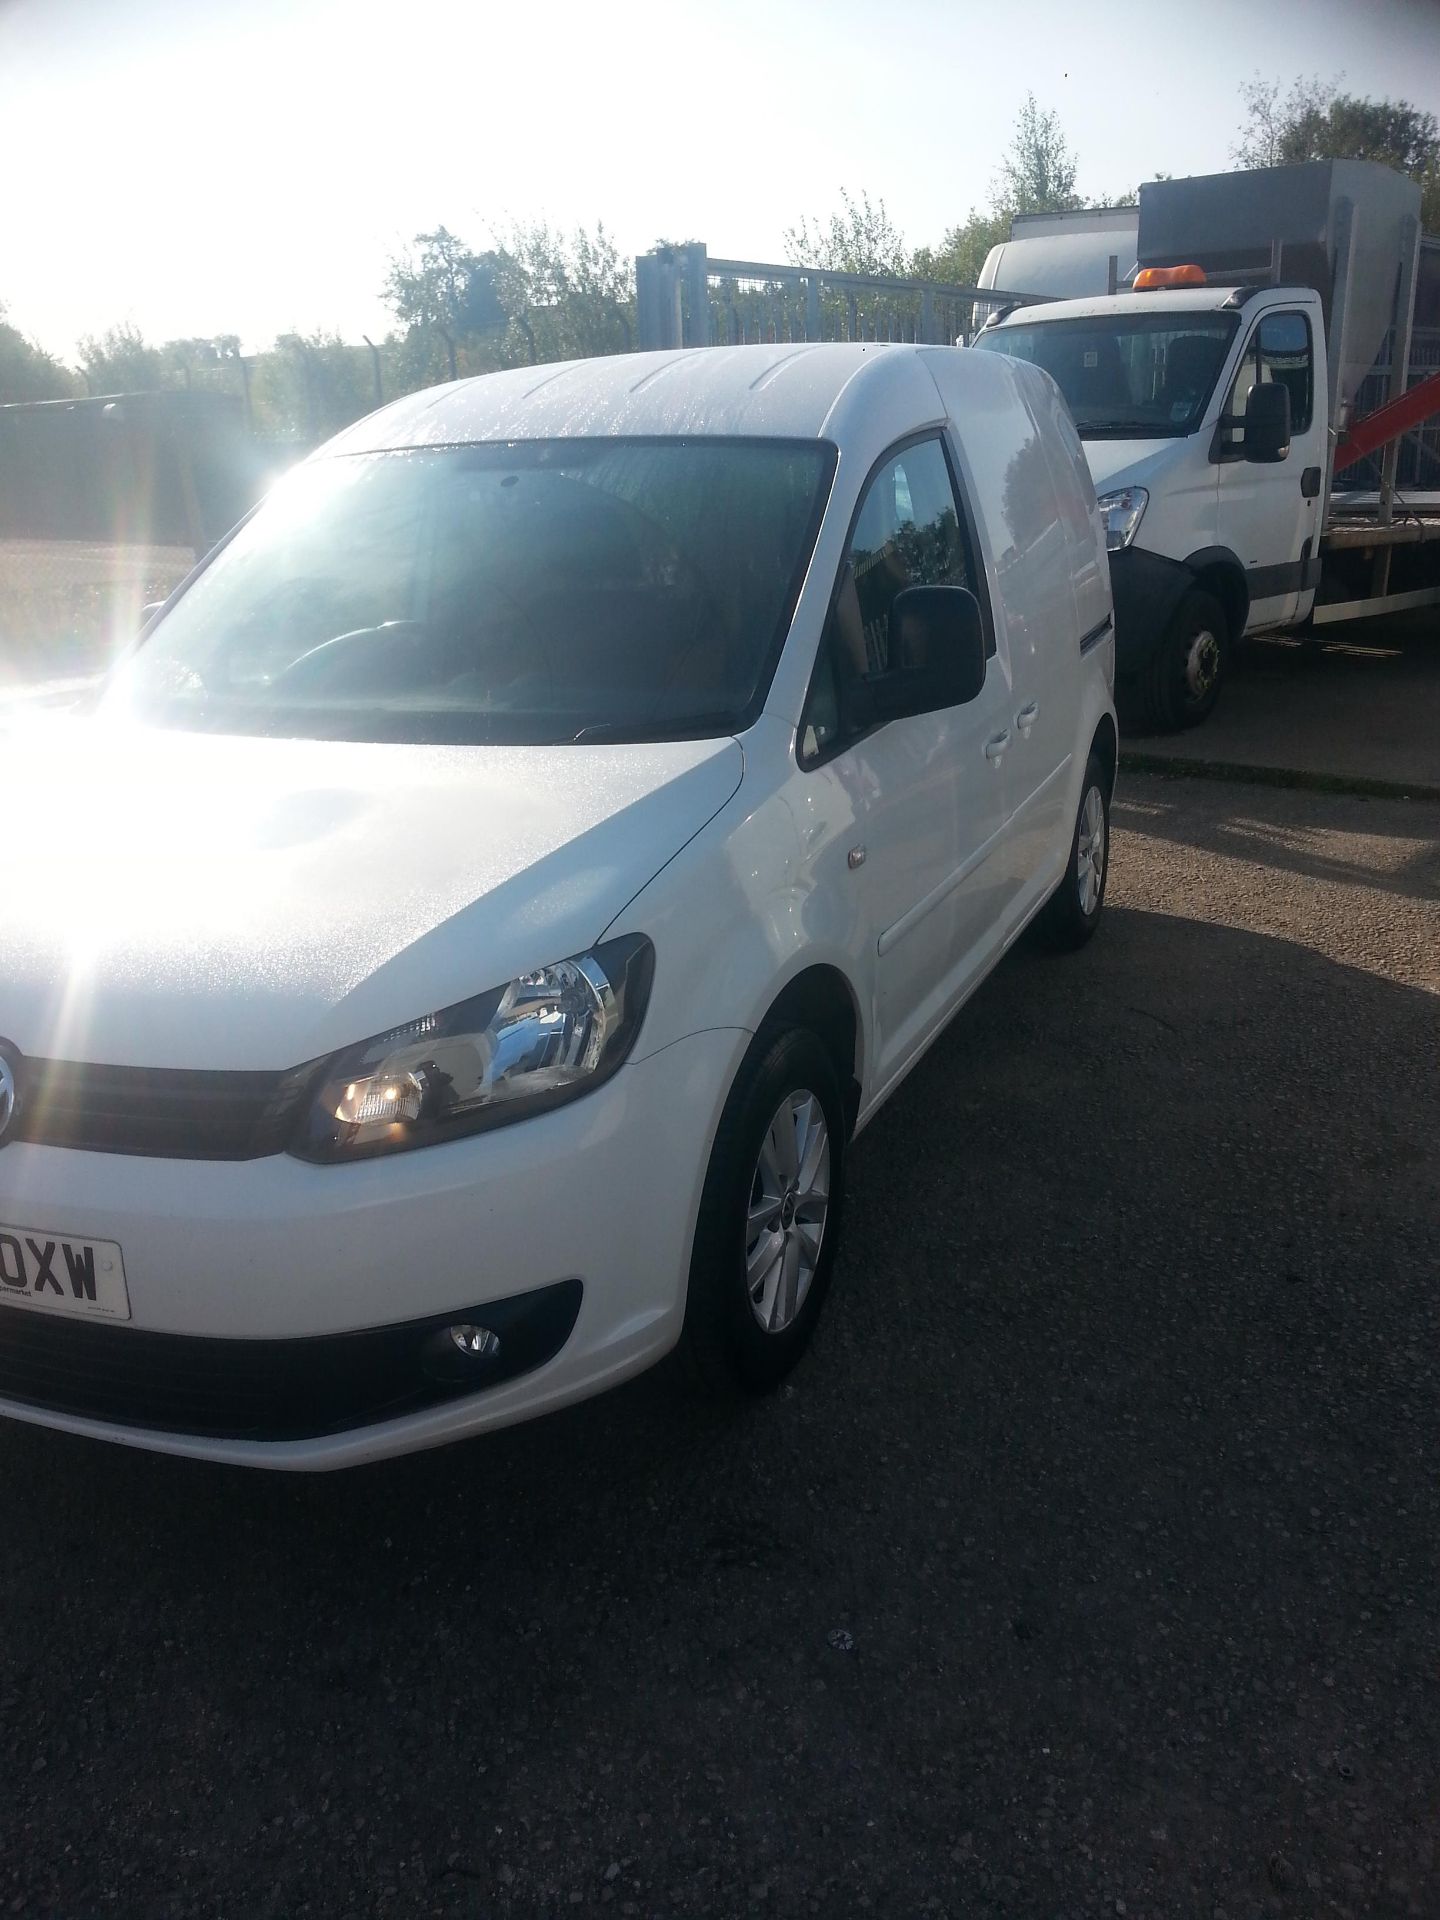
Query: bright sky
[[247, 166]]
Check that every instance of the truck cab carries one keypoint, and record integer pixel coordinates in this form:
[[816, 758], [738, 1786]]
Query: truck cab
[[1202, 411]]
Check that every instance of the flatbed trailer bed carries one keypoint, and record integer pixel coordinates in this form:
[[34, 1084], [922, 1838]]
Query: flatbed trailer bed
[[1370, 566], [1343, 534]]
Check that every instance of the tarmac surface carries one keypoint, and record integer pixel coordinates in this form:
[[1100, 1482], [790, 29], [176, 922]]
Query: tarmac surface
[[1358, 703], [1088, 1565]]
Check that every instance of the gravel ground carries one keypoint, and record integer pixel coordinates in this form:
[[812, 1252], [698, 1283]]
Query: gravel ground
[[1087, 1567]]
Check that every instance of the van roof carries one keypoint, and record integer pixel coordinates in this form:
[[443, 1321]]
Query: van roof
[[787, 391]]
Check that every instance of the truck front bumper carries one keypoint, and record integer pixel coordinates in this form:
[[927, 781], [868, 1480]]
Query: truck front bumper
[[1147, 590]]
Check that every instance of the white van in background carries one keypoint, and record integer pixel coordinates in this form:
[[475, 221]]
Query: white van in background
[[1058, 256]]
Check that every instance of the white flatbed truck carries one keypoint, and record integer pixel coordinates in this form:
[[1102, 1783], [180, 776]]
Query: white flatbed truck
[[1216, 397]]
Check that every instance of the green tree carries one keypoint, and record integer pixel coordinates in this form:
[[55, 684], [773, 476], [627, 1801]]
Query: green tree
[[309, 386], [1315, 120], [120, 361], [443, 289], [537, 295], [411, 360], [564, 297], [1037, 174], [1269, 114], [207, 363], [27, 372], [962, 249], [860, 238]]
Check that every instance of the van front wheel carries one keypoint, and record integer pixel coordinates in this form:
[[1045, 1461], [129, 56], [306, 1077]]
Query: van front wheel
[[769, 1217], [1184, 676]]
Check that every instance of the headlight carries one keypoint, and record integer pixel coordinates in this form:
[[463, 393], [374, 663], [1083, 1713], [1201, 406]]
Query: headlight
[[546, 1038], [1121, 514]]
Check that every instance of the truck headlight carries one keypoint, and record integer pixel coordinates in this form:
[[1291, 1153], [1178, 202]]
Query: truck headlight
[[1121, 514], [544, 1039]]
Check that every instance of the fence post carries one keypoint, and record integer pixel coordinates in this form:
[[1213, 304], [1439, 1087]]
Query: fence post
[[375, 357], [312, 418], [812, 307], [657, 301], [697, 286], [183, 442], [927, 315]]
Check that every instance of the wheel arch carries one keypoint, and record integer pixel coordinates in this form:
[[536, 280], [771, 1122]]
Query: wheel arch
[[1105, 743], [821, 998], [1218, 572]]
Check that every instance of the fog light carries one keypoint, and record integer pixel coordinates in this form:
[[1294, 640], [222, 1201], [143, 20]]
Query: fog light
[[476, 1343]]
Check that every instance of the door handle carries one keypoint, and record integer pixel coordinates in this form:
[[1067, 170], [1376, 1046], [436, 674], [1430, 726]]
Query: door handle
[[997, 744], [1026, 717], [1310, 482]]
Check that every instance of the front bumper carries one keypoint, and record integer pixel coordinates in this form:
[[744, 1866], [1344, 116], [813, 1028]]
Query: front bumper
[[276, 1389], [1147, 589], [223, 1255]]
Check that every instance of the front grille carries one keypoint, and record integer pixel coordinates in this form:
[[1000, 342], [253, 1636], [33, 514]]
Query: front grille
[[271, 1389], [171, 1113]]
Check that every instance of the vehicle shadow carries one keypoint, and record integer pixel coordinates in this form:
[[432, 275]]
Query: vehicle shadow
[[1292, 830], [1105, 1498]]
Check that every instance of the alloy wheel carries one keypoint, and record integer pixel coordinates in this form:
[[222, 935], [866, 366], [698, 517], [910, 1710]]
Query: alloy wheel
[[1090, 851], [789, 1200]]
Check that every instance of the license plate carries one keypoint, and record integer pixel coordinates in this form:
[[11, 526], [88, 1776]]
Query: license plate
[[57, 1273]]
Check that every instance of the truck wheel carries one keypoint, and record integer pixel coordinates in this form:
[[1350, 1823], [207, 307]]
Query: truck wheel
[[769, 1217], [1182, 680], [1072, 912]]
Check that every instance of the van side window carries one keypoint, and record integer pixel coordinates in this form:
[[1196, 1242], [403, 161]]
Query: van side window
[[1278, 349], [907, 533]]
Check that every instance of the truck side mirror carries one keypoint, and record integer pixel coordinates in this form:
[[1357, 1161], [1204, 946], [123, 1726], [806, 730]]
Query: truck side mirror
[[937, 654], [1267, 423]]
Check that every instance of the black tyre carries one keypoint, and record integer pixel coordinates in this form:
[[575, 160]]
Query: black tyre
[[1072, 913], [1182, 679], [769, 1216]]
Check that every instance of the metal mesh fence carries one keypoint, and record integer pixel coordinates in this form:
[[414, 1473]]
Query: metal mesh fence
[[686, 297], [748, 309]]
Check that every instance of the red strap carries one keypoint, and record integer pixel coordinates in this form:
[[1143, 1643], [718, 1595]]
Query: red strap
[[1389, 422]]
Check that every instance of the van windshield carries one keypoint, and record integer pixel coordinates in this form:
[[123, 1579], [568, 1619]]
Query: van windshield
[[1126, 376], [540, 593]]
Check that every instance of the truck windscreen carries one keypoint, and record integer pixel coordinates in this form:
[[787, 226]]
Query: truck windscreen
[[1126, 376]]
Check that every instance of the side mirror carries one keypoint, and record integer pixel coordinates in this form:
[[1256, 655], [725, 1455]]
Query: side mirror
[[937, 651], [1267, 423]]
